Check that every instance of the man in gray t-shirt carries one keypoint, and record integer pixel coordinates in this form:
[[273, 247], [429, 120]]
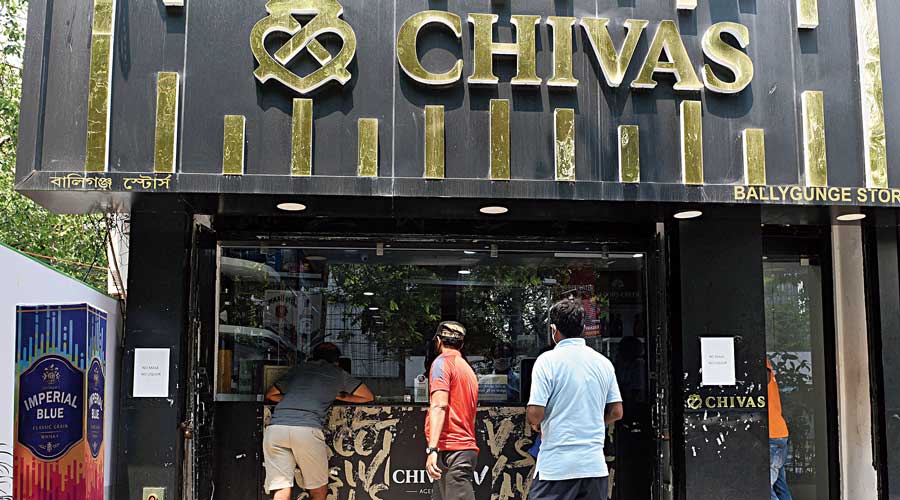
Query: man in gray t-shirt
[[294, 444]]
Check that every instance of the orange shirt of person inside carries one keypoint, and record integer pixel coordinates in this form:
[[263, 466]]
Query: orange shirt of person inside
[[451, 373], [777, 426]]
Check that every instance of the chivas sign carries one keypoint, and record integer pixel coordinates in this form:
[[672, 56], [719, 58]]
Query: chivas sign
[[668, 100]]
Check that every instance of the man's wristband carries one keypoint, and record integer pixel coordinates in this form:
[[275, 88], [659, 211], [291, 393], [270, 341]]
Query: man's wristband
[[430, 450]]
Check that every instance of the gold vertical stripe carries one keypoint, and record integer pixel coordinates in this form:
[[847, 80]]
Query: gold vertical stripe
[[166, 122], [686, 4], [99, 88], [807, 14], [814, 151], [754, 140], [368, 147], [499, 119], [233, 145], [301, 137], [629, 153], [871, 91], [434, 142], [564, 140], [692, 142], [562, 52], [103, 17]]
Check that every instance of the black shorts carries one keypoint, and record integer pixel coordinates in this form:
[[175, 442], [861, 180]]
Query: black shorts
[[457, 480], [587, 488]]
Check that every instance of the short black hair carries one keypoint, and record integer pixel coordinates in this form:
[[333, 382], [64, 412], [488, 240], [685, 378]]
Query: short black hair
[[568, 316], [326, 351]]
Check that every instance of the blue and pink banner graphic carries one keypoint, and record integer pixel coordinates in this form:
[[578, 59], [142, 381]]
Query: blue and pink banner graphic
[[60, 369]]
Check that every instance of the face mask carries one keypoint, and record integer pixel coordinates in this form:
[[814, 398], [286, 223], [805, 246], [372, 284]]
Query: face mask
[[550, 336]]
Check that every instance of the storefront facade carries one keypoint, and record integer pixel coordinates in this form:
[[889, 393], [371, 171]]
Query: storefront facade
[[300, 171]]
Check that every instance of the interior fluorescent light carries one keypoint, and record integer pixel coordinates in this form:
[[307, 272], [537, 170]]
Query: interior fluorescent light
[[469, 252], [316, 257], [493, 210], [638, 256], [368, 294], [373, 308], [851, 217], [580, 255], [291, 207], [465, 272], [688, 214]]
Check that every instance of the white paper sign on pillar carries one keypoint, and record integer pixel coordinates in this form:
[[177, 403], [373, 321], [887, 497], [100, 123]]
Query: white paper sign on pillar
[[151, 373], [717, 360]]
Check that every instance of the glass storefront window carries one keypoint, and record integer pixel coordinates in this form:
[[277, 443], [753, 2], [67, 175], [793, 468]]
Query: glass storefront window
[[277, 303], [796, 348]]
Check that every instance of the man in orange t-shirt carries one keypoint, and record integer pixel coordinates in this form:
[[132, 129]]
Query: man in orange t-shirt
[[450, 423], [778, 441]]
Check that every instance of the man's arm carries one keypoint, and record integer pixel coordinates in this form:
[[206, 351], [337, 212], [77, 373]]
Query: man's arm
[[437, 415], [613, 413], [535, 416], [361, 395], [274, 394]]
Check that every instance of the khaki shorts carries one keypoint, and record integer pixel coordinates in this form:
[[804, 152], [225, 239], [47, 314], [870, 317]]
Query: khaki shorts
[[295, 453]]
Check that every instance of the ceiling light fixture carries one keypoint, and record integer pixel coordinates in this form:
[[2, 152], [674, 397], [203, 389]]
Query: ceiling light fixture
[[851, 217], [368, 294], [469, 252], [291, 207], [638, 256], [465, 272], [316, 258], [493, 210], [688, 214], [373, 308]]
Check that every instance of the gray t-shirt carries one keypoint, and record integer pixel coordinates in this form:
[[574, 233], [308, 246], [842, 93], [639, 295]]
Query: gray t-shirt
[[309, 391]]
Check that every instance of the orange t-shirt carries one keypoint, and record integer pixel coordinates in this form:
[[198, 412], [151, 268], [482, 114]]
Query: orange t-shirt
[[777, 426], [451, 373]]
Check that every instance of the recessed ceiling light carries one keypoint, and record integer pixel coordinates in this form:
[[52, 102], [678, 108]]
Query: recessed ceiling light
[[688, 214], [291, 207], [851, 217], [469, 252], [493, 210], [368, 294], [464, 272], [373, 308], [316, 257]]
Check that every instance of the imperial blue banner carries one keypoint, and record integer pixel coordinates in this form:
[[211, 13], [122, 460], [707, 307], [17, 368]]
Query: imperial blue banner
[[59, 445]]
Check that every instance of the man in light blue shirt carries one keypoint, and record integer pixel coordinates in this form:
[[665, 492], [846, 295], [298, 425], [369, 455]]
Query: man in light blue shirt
[[574, 395]]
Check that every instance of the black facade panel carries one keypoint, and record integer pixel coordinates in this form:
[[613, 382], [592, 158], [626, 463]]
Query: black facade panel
[[726, 452], [150, 445], [149, 39]]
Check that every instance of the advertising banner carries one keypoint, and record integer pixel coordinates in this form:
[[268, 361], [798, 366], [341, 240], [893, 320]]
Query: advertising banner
[[58, 449]]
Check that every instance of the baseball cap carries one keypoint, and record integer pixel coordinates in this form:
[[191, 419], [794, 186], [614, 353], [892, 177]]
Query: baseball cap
[[451, 330]]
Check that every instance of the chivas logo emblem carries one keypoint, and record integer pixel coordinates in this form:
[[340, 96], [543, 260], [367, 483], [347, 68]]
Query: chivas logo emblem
[[325, 19], [694, 402], [51, 375]]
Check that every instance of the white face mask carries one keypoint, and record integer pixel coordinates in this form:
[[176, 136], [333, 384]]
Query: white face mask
[[551, 335]]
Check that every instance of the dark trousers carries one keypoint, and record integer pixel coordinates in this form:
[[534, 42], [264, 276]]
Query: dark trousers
[[587, 488], [457, 480]]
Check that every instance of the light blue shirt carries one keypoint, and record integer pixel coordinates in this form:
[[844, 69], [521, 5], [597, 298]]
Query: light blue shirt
[[573, 383]]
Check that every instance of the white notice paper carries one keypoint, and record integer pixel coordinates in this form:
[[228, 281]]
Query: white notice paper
[[717, 360], [151, 373]]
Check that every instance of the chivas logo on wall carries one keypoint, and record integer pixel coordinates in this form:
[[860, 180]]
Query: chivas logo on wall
[[665, 100]]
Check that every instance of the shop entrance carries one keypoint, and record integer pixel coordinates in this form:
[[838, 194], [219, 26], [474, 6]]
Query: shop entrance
[[380, 303]]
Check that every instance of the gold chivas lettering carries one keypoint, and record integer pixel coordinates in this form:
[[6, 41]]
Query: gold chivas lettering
[[667, 40], [736, 61], [696, 402], [613, 63], [406, 47]]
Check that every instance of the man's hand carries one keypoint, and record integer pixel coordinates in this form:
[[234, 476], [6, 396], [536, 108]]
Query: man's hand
[[431, 467]]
